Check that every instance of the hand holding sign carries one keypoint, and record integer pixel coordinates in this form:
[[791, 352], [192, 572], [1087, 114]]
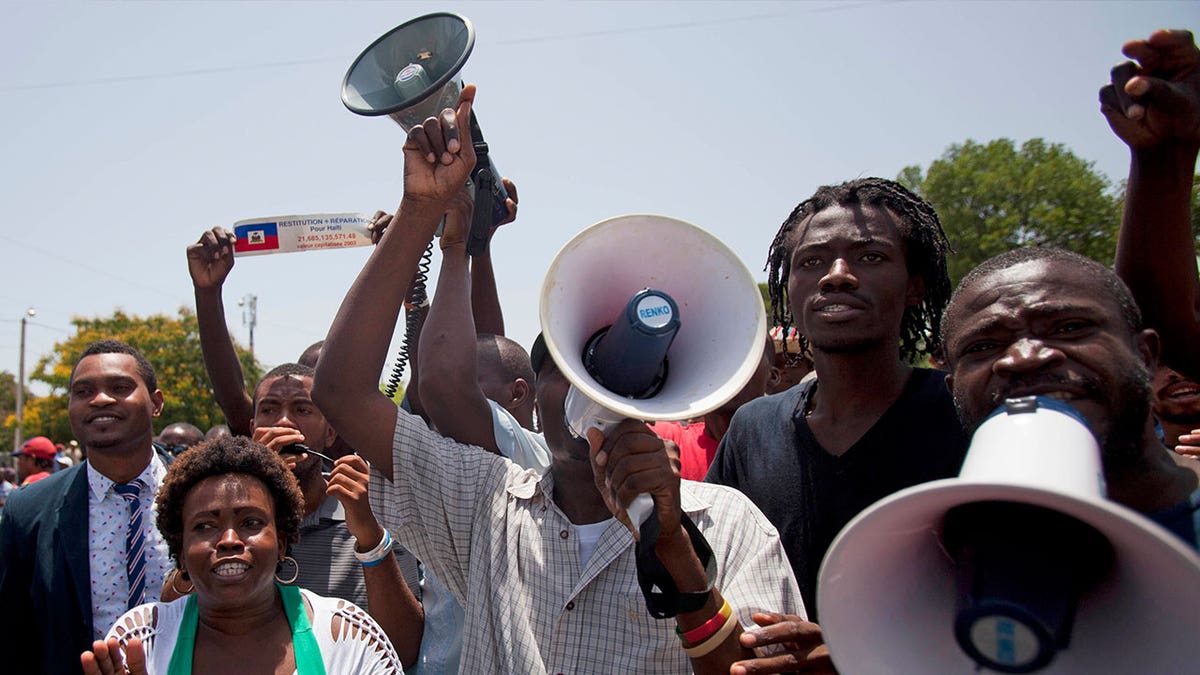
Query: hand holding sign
[[211, 258]]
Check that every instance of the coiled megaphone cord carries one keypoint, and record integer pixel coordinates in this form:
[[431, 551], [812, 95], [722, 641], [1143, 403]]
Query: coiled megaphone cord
[[412, 320]]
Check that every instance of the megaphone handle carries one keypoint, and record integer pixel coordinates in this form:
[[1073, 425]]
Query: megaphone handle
[[582, 413], [642, 506], [481, 216], [640, 509]]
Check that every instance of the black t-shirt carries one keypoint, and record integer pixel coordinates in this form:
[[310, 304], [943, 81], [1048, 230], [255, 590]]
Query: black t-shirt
[[771, 455]]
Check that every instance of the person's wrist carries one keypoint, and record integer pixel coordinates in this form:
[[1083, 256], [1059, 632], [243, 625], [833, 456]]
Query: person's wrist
[[673, 544], [370, 540], [451, 243], [679, 558], [419, 206], [1171, 153], [208, 291], [377, 553]]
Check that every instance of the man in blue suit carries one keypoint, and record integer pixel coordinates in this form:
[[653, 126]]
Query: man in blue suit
[[65, 570]]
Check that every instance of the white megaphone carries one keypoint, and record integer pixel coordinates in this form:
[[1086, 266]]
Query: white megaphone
[[649, 318], [411, 73], [1018, 565]]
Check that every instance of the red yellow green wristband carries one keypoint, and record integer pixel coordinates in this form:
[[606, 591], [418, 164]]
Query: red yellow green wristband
[[701, 633], [714, 641]]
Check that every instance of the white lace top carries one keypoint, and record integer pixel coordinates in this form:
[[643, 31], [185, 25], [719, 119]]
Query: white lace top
[[350, 640]]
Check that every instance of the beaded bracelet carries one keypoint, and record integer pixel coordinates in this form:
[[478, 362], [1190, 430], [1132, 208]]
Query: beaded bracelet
[[376, 555], [704, 648], [697, 635]]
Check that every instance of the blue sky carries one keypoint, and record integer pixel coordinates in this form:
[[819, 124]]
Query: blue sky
[[133, 127]]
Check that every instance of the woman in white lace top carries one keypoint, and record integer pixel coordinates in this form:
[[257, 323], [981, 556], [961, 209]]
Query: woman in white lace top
[[228, 510]]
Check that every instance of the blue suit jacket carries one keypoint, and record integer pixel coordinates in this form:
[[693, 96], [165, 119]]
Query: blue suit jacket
[[45, 584]]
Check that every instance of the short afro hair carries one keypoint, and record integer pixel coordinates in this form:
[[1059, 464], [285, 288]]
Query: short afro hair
[[504, 356], [220, 457], [145, 370], [283, 370]]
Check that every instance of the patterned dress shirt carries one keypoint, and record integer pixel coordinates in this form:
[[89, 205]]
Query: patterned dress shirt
[[108, 519], [492, 533]]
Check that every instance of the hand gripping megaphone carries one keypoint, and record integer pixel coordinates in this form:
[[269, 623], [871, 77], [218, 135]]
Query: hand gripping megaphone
[[1018, 565], [650, 318], [411, 73]]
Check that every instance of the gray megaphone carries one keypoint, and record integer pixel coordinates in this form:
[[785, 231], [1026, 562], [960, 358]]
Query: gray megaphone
[[411, 73]]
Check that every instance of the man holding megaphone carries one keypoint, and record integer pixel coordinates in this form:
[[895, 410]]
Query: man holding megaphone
[[505, 540]]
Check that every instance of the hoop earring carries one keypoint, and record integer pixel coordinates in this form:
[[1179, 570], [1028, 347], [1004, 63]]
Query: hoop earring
[[294, 574], [175, 581]]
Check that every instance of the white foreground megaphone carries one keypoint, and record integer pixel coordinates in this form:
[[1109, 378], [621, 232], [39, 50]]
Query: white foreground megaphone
[[664, 287], [1018, 565]]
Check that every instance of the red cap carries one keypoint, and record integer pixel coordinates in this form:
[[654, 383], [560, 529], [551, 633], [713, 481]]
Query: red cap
[[38, 446]]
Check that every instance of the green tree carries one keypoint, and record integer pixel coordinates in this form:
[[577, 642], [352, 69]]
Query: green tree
[[8, 410], [994, 197], [171, 344], [1196, 210], [765, 292]]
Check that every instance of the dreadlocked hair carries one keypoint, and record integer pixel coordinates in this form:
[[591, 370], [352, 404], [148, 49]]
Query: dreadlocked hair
[[924, 241]]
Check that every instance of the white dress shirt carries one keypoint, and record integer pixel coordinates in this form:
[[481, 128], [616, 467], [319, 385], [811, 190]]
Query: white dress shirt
[[108, 522]]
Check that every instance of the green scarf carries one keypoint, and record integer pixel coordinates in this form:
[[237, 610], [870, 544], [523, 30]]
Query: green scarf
[[304, 643]]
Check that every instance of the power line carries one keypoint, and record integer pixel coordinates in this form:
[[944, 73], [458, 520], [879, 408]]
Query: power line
[[53, 328], [159, 76], [85, 266], [838, 7]]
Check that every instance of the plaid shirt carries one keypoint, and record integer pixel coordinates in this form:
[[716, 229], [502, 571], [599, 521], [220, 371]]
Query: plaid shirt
[[492, 533]]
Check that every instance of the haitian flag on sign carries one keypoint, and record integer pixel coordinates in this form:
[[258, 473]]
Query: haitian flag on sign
[[311, 232], [256, 237]]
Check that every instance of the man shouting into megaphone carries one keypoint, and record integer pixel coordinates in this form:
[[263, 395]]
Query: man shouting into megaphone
[[510, 543]]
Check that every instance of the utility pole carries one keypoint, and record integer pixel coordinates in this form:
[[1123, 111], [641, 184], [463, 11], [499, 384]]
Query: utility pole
[[17, 431], [249, 305]]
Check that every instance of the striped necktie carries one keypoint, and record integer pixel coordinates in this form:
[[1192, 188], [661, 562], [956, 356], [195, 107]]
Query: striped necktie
[[135, 542]]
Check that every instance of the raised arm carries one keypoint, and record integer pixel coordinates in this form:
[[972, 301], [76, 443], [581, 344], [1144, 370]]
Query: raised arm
[[485, 300], [346, 387], [1154, 107], [209, 261], [449, 365]]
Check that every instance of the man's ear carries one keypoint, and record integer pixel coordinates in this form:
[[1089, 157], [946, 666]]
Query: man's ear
[[916, 291], [520, 391], [1149, 348], [330, 434], [157, 399]]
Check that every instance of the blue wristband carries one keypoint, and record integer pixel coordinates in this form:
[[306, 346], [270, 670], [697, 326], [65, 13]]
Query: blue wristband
[[375, 562], [377, 554]]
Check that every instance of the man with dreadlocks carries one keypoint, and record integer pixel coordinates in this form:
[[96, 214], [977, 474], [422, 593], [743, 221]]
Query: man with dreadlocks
[[861, 269]]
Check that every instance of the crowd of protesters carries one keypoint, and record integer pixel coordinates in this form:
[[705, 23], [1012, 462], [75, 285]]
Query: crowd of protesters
[[327, 529]]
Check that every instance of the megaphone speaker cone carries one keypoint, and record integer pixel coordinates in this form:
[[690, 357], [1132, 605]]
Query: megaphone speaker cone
[[889, 595], [721, 321], [411, 71]]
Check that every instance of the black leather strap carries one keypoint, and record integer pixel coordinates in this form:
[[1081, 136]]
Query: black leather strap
[[663, 599]]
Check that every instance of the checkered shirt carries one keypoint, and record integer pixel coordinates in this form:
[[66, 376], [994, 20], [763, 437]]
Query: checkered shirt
[[492, 533]]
